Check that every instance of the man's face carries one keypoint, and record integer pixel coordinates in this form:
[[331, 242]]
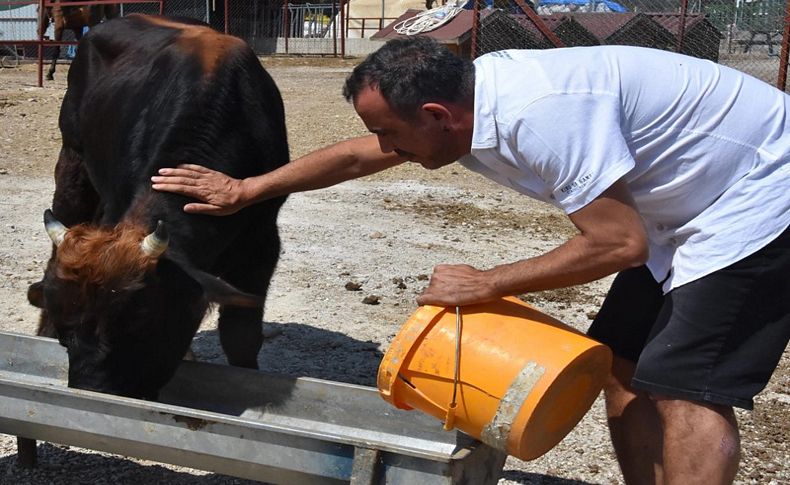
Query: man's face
[[423, 140]]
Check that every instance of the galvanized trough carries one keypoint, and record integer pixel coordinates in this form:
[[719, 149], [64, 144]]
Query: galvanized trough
[[237, 422]]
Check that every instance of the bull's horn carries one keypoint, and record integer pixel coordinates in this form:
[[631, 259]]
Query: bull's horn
[[55, 229], [155, 243]]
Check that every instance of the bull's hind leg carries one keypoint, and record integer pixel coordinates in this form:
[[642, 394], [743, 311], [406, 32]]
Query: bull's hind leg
[[75, 201]]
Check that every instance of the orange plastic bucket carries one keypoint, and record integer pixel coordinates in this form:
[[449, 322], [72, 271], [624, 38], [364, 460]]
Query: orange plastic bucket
[[524, 379]]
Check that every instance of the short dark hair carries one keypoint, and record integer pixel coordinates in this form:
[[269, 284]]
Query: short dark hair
[[412, 71]]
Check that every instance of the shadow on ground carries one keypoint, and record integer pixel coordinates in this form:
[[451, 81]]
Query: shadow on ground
[[524, 478], [300, 350]]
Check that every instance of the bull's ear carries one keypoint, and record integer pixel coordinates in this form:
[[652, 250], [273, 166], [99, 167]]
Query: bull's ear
[[35, 294], [221, 292], [216, 289]]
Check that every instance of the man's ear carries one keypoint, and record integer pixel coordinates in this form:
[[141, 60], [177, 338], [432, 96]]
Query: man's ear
[[437, 111]]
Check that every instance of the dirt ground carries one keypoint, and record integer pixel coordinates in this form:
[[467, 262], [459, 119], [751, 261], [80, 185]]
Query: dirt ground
[[384, 233]]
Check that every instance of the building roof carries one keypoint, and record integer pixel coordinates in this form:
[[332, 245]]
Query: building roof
[[603, 24], [671, 21]]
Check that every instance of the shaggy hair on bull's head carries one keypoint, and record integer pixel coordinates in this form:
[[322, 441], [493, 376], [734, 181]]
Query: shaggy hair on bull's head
[[104, 258]]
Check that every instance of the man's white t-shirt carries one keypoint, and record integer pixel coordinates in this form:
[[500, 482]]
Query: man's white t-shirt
[[704, 149]]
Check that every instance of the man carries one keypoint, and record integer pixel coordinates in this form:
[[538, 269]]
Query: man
[[675, 172]]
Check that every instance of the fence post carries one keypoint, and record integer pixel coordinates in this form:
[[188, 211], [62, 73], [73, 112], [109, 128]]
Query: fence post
[[539, 24], [781, 81], [334, 18], [343, 5], [42, 28], [476, 28], [286, 27], [684, 4]]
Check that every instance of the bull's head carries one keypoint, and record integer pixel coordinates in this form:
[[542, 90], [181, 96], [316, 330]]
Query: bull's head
[[124, 309]]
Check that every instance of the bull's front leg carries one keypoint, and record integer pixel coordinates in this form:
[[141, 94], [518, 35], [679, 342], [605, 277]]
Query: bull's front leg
[[249, 266], [241, 335]]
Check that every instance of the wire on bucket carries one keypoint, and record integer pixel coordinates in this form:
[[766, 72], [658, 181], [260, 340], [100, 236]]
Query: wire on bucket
[[450, 420]]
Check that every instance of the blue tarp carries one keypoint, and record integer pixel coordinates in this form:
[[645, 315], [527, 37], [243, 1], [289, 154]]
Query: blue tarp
[[585, 4]]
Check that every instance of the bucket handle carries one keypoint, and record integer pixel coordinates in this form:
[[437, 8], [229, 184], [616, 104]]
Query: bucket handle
[[449, 420], [395, 358]]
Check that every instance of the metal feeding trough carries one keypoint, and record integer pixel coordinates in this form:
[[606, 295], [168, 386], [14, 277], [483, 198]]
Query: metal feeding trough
[[237, 422]]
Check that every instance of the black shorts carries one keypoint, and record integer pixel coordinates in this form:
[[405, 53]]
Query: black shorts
[[717, 339]]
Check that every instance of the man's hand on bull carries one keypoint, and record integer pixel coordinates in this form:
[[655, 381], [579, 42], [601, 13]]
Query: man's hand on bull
[[458, 285], [219, 194]]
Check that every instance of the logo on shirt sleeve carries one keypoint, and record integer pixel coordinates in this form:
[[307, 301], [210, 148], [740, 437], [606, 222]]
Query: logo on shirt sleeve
[[576, 185]]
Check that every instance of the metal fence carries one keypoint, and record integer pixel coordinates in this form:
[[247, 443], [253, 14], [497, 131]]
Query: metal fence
[[39, 29], [270, 26], [748, 35]]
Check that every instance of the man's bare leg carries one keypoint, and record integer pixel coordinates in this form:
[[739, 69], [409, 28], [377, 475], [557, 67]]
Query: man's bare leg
[[701, 442], [634, 426]]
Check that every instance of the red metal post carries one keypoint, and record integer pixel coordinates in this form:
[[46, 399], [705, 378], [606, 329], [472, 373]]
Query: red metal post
[[285, 24], [343, 26], [333, 23], [684, 5], [475, 28], [161, 7], [781, 81], [41, 30], [538, 22], [227, 31]]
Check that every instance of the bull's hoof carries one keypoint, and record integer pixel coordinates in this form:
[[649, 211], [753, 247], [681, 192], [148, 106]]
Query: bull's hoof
[[50, 77]]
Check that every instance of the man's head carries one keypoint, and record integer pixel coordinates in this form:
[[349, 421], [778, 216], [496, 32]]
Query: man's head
[[418, 97]]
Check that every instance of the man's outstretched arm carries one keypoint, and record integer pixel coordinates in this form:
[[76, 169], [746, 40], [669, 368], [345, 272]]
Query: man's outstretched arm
[[611, 238], [220, 194]]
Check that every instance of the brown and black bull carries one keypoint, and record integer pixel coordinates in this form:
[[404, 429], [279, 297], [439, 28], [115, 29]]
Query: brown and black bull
[[131, 274]]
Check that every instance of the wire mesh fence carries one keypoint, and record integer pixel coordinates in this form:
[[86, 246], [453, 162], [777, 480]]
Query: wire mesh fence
[[746, 34], [743, 34]]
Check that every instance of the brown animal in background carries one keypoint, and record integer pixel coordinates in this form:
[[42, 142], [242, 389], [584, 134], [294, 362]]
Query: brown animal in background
[[75, 19]]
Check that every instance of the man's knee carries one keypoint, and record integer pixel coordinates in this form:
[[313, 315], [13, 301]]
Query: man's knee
[[674, 411]]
